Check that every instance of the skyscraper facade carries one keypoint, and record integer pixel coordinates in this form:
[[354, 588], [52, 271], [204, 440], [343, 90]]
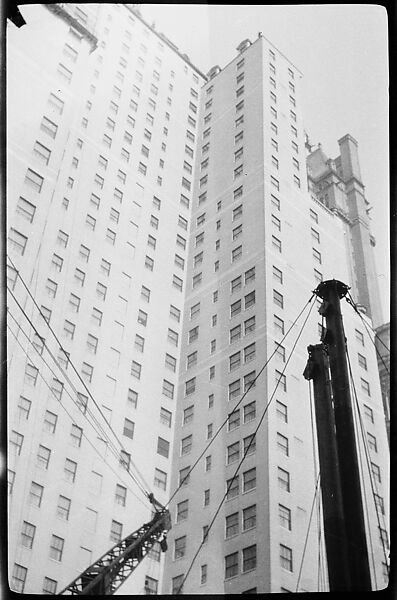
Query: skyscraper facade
[[165, 230], [262, 238], [101, 120]]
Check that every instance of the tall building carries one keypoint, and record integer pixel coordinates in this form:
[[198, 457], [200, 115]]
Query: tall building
[[263, 235], [169, 226], [101, 136]]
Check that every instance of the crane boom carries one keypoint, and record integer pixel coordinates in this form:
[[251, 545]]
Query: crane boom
[[107, 574]]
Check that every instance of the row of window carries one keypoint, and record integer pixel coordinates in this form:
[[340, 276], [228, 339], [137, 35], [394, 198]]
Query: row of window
[[70, 466]]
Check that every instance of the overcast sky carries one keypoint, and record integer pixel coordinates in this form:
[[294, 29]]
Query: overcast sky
[[342, 52]]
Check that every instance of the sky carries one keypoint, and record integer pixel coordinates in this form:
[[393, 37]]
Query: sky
[[342, 51]]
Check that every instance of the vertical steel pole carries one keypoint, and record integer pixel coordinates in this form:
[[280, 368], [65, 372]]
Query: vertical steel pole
[[331, 292], [334, 521]]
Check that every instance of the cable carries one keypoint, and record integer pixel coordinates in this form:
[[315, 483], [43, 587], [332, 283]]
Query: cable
[[307, 533], [100, 432], [368, 460], [67, 412], [99, 429], [253, 437], [315, 478], [252, 384], [75, 370], [99, 426], [354, 306], [361, 472]]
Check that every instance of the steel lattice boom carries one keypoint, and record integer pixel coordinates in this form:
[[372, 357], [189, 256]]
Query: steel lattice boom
[[107, 574]]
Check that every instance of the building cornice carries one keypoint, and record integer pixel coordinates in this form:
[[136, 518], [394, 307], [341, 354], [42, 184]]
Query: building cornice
[[164, 39], [60, 11]]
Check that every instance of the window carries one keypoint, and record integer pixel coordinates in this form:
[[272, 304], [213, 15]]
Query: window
[[249, 558], [232, 525], [365, 387], [179, 547], [49, 586], [136, 369], [282, 444], [276, 244], [359, 337], [196, 280], [177, 282], [380, 506], [238, 171], [249, 381], [163, 447], [286, 557], [283, 479], [31, 373], [142, 318], [190, 386], [65, 73], [376, 472], [278, 299], [186, 445], [70, 469], [249, 480], [362, 361], [372, 443], [168, 389], [281, 379], [18, 578], [316, 256], [27, 534], [149, 263], [369, 413], [249, 300], [56, 547], [231, 565], [116, 531], [170, 362], [233, 453], [17, 241], [188, 414], [206, 497], [193, 334], [199, 239], [191, 360], [63, 507], [234, 361], [208, 463], [235, 284], [237, 231], [177, 584], [181, 241], [249, 445], [235, 308], [56, 103], [198, 259], [50, 421], [76, 435], [275, 162], [235, 333], [384, 538], [36, 494], [237, 253]]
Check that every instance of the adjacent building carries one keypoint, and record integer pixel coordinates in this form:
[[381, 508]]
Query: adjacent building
[[170, 226], [102, 117], [263, 235]]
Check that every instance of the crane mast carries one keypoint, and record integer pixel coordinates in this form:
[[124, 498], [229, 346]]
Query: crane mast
[[107, 573]]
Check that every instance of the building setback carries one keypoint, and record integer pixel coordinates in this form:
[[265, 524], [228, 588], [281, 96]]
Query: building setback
[[101, 121], [261, 241], [170, 227]]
